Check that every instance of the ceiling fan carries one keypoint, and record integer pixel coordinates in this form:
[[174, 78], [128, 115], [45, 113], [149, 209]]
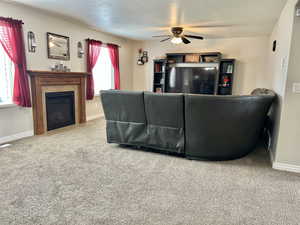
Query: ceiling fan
[[178, 37]]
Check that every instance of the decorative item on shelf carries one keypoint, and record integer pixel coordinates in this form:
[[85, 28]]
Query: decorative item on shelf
[[192, 58], [158, 90], [58, 46], [31, 41], [143, 57], [210, 59], [80, 49], [60, 67], [171, 61], [226, 81]]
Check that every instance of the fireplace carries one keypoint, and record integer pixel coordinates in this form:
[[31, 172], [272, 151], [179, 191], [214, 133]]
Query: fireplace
[[43, 82], [60, 109]]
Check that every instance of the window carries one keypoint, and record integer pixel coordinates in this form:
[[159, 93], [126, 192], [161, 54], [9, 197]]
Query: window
[[103, 72], [6, 77]]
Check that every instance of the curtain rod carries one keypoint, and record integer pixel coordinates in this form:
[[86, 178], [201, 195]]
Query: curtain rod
[[104, 42]]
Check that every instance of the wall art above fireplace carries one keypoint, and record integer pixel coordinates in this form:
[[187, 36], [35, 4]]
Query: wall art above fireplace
[[58, 46]]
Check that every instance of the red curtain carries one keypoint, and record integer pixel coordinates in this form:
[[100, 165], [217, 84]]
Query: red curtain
[[114, 56], [11, 38], [93, 52]]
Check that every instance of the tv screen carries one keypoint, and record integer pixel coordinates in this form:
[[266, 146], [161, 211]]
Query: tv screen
[[194, 80]]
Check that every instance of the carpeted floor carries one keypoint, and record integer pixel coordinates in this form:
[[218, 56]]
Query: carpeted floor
[[71, 176]]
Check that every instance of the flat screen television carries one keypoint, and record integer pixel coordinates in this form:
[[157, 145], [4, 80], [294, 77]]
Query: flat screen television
[[196, 78]]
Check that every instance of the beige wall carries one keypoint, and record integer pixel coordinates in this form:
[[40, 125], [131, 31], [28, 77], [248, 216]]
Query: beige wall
[[287, 148], [278, 66], [41, 22], [250, 53]]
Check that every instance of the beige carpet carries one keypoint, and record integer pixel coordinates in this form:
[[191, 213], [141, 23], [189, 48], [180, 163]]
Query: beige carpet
[[72, 176]]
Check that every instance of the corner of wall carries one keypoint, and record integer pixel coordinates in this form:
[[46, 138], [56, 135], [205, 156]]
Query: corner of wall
[[278, 69], [286, 167]]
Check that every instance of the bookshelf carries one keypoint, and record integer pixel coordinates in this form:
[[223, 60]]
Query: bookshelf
[[159, 75], [226, 77]]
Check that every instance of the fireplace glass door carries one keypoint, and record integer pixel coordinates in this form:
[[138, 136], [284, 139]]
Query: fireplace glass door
[[60, 109]]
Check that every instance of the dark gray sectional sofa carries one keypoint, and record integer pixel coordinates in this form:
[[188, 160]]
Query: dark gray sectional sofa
[[203, 127]]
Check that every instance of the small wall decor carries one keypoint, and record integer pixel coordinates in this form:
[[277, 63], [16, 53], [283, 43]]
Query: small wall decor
[[58, 46], [143, 57], [80, 49], [31, 41]]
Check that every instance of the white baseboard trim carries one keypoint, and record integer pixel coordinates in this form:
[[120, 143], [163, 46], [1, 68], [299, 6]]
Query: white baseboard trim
[[286, 167], [17, 136], [89, 118]]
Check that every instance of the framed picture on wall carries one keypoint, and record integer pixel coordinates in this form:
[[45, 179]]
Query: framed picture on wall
[[58, 46]]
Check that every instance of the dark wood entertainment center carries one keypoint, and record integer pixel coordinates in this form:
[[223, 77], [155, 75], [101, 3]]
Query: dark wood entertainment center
[[224, 71]]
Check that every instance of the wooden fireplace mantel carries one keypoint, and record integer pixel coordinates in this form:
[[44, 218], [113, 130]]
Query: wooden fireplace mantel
[[40, 79], [55, 73]]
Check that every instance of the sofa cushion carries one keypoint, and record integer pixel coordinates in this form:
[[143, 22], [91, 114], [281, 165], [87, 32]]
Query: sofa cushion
[[165, 121], [125, 117]]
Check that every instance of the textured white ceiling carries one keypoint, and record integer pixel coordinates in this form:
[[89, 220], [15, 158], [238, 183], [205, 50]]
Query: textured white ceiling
[[140, 19]]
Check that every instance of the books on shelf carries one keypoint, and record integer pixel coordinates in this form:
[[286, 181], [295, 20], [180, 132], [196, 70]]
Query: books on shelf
[[158, 68], [229, 68]]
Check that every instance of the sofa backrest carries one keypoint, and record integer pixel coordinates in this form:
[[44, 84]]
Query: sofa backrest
[[125, 117], [224, 126], [125, 106], [164, 109], [165, 121]]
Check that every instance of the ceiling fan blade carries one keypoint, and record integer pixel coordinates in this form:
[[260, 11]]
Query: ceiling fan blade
[[195, 37], [210, 26], [161, 36], [185, 40], [165, 39]]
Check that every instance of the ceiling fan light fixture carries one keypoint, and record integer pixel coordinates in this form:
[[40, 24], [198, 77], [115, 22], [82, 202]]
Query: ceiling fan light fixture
[[176, 40], [177, 36]]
